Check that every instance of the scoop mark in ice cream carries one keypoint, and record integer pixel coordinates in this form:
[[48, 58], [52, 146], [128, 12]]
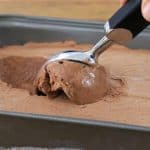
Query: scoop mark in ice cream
[[81, 83], [20, 72]]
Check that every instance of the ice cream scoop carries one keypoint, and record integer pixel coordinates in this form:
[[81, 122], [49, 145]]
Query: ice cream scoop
[[123, 26], [87, 82]]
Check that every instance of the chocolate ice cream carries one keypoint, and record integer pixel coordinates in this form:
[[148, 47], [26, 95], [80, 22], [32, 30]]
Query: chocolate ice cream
[[20, 72], [127, 103], [81, 83]]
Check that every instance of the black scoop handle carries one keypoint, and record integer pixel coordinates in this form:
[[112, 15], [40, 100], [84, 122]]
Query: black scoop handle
[[129, 17]]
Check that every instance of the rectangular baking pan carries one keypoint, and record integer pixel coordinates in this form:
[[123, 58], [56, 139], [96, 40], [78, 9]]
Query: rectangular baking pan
[[20, 129]]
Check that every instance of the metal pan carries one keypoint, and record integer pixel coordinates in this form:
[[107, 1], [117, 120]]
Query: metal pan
[[18, 129]]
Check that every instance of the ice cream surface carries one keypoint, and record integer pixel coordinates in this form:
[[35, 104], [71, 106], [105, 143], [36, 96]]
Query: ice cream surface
[[81, 83], [124, 102]]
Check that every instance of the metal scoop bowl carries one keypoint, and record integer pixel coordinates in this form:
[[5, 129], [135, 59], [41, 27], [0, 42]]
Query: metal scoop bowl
[[86, 57]]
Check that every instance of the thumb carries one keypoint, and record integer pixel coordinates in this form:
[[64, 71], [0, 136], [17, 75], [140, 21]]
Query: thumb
[[146, 9]]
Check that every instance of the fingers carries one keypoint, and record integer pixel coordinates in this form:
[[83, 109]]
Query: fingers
[[146, 9], [122, 2]]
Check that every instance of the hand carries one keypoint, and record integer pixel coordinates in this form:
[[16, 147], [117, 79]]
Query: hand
[[145, 8]]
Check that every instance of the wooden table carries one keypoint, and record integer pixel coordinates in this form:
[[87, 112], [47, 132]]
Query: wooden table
[[81, 9]]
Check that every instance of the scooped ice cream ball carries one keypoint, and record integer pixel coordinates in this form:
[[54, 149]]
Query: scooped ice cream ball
[[81, 83]]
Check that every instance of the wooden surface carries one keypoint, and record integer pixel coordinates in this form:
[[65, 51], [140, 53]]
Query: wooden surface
[[81, 9]]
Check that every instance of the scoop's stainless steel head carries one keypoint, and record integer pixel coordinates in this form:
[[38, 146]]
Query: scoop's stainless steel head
[[73, 55], [87, 57]]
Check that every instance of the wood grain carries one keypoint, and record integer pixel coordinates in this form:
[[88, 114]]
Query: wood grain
[[80, 9]]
